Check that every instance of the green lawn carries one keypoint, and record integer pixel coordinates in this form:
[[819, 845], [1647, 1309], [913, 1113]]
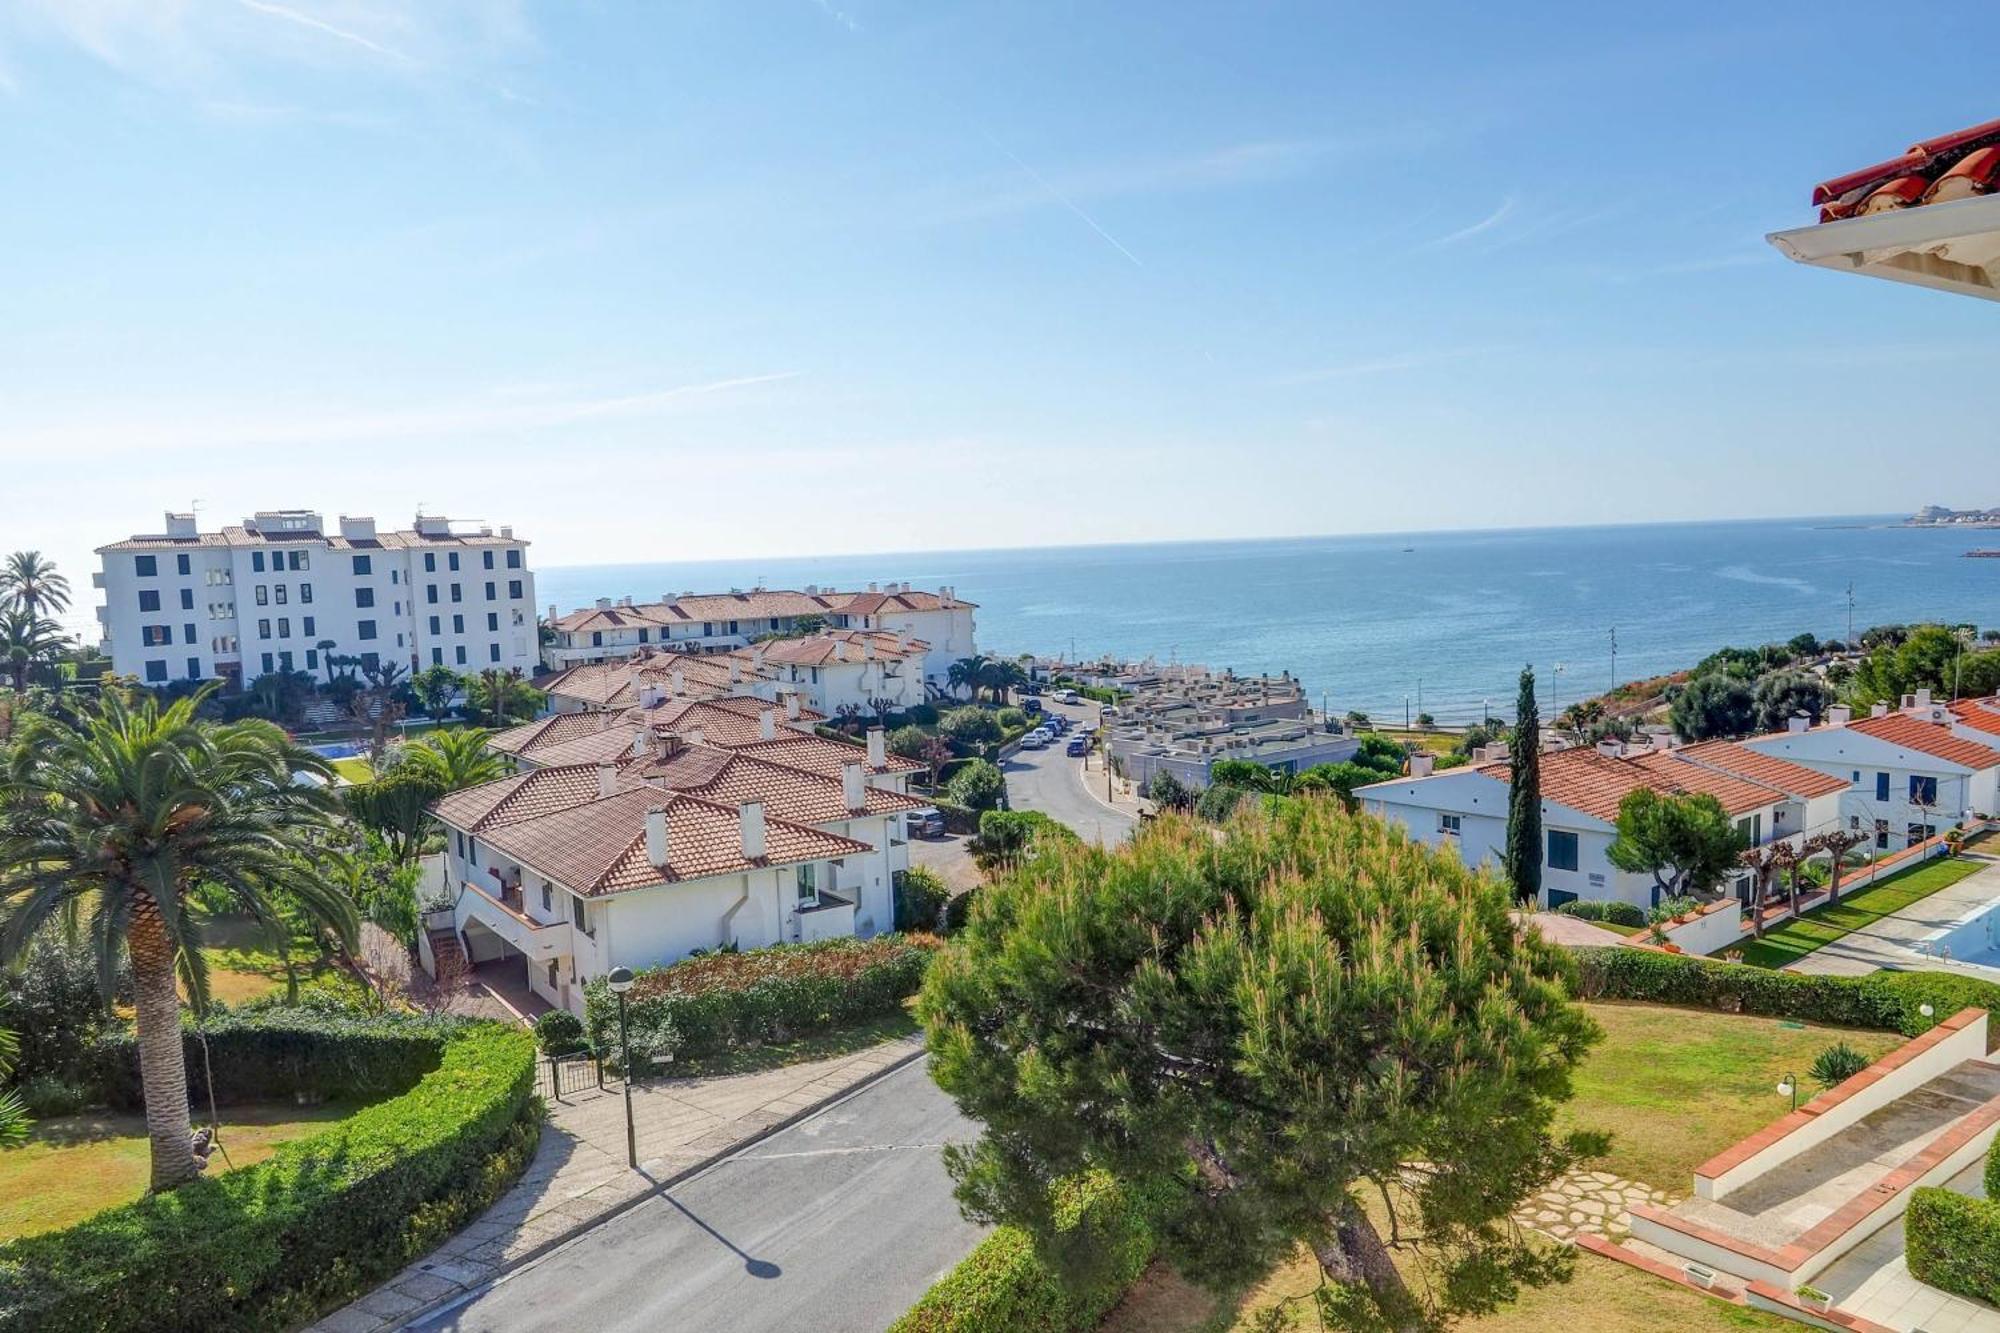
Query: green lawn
[[1799, 936], [242, 965], [76, 1165], [356, 770]]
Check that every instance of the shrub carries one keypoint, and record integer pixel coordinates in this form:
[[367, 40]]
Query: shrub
[[1883, 1000], [272, 1245], [1952, 1242], [721, 1001], [559, 1032], [1004, 1285], [1005, 836], [52, 1003], [977, 786], [277, 1053], [920, 898], [909, 742], [958, 911], [969, 727], [1012, 719], [1617, 912], [1836, 1064], [921, 715], [1219, 802], [45, 1095]]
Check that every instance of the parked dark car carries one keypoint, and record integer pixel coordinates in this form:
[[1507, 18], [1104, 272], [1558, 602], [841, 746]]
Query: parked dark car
[[1031, 705], [1078, 746]]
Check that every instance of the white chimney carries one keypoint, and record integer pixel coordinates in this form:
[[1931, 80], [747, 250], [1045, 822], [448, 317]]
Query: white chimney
[[678, 681], [1611, 747], [767, 725], [868, 650], [1838, 715], [1923, 696], [642, 743], [903, 640], [656, 835], [757, 657], [607, 780], [604, 603], [649, 695], [181, 525], [878, 748], [853, 789], [792, 705], [1797, 723], [871, 585], [735, 669], [840, 650], [554, 613], [751, 815], [1879, 710], [1421, 765], [696, 736]]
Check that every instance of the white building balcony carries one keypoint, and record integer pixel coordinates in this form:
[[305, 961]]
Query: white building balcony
[[539, 941]]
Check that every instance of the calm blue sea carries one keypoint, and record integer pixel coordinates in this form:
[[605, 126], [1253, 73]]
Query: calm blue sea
[[1371, 621]]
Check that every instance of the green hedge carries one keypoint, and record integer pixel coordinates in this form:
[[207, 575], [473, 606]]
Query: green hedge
[[1004, 1286], [284, 1053], [1952, 1242], [1617, 912], [1885, 1000], [276, 1244], [718, 1002]]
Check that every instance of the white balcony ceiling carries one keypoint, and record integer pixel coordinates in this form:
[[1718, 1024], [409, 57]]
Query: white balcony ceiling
[[1954, 247]]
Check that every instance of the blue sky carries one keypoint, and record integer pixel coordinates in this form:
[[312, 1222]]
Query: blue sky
[[765, 277]]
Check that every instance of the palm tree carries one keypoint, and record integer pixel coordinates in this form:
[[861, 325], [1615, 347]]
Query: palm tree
[[123, 814], [452, 760], [968, 673], [31, 580], [26, 638]]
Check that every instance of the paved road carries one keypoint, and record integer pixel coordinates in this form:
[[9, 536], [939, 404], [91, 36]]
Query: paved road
[[838, 1223], [1049, 781]]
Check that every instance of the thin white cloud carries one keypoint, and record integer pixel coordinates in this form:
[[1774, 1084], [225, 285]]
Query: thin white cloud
[[305, 20], [840, 16], [1485, 224], [1066, 202], [499, 412]]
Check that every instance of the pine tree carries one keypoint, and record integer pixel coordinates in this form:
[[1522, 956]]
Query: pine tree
[[1524, 796]]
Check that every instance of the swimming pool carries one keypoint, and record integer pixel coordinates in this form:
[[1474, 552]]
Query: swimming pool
[[336, 749], [1973, 938]]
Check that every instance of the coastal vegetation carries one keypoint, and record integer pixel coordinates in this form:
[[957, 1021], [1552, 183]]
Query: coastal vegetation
[[1521, 863]]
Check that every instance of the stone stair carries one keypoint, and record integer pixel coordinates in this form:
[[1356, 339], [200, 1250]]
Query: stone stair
[[448, 955]]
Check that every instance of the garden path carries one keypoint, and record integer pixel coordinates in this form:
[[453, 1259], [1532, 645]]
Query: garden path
[[1595, 1202]]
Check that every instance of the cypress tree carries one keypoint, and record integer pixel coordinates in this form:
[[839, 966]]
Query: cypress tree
[[1524, 796]]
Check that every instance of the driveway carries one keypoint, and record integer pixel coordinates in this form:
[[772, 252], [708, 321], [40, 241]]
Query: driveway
[[840, 1222], [1051, 782]]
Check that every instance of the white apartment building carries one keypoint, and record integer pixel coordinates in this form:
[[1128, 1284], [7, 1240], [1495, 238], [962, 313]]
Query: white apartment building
[[1466, 808], [280, 592], [722, 622]]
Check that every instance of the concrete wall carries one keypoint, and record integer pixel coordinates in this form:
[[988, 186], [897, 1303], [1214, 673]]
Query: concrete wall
[[1716, 926]]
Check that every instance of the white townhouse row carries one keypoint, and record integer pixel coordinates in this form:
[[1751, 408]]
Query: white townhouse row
[[830, 672], [280, 592], [1770, 799], [1910, 771], [722, 622], [634, 837]]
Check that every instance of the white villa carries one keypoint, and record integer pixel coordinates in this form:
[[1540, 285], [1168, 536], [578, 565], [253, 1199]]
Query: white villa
[[267, 594], [722, 622], [1466, 808], [632, 839], [1910, 771]]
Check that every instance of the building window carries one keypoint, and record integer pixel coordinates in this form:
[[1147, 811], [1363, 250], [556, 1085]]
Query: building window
[[187, 634], [182, 565], [493, 622], [458, 654], [364, 564], [451, 561], [430, 562], [431, 593], [489, 590], [552, 974], [577, 916], [1881, 834], [434, 626], [187, 599], [488, 555], [1881, 786], [278, 594], [262, 595], [1448, 825], [312, 659], [257, 562], [808, 892], [1923, 791], [458, 624], [285, 663], [264, 629], [493, 652], [308, 624], [514, 589], [268, 664], [364, 597], [513, 559], [149, 600], [284, 627], [300, 560], [548, 899], [153, 636], [1917, 833], [156, 670], [457, 592], [364, 629], [597, 638], [306, 593], [1752, 829], [194, 668], [1562, 850], [437, 657]]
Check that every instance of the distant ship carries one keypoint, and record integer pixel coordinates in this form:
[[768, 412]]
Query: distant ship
[[1982, 555]]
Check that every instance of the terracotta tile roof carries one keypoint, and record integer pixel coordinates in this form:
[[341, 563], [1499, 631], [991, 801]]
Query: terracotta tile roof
[[1979, 714], [689, 768], [826, 646], [162, 542], [609, 746], [546, 731], [816, 754], [1595, 783], [731, 720], [1951, 166], [609, 684], [525, 796], [599, 847], [1926, 738], [757, 604], [793, 793], [1781, 774]]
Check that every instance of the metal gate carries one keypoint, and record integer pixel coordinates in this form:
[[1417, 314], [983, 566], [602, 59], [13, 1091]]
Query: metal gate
[[561, 1077]]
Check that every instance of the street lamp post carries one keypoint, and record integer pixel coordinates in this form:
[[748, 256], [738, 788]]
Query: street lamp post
[[1789, 1087], [621, 981]]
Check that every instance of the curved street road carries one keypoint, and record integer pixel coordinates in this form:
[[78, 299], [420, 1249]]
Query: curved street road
[[838, 1223], [1051, 782]]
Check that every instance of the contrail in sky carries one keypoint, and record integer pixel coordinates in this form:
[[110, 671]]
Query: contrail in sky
[[1065, 201]]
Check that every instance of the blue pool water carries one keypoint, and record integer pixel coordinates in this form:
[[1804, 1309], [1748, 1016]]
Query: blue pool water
[[336, 750], [1974, 940]]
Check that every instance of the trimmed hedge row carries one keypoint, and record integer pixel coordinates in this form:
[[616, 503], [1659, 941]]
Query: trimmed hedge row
[[279, 1054], [718, 1002], [1885, 1000], [1004, 1286], [1617, 912], [273, 1245], [1952, 1241]]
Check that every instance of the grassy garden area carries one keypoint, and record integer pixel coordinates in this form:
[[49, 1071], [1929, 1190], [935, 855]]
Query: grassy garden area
[[242, 965], [356, 770], [1672, 1087], [75, 1165], [1799, 936]]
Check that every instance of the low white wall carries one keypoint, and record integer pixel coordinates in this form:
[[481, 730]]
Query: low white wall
[[1718, 926], [1706, 1253], [1967, 1043], [1972, 1150]]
